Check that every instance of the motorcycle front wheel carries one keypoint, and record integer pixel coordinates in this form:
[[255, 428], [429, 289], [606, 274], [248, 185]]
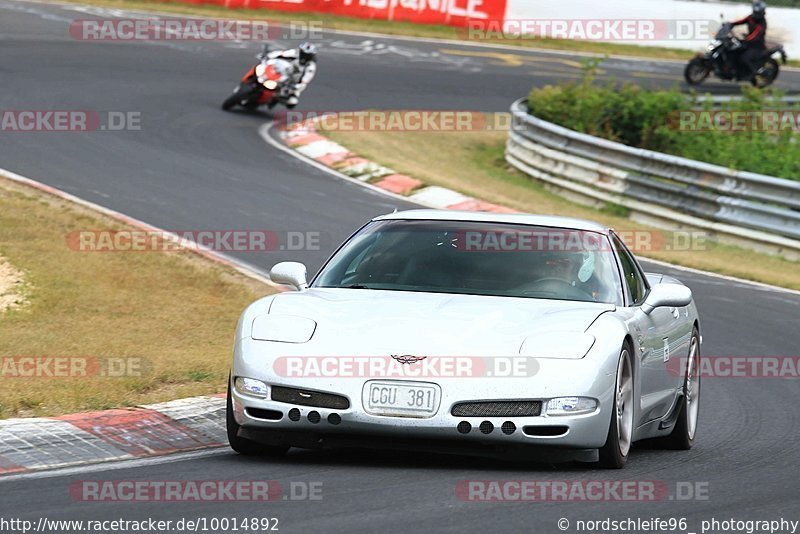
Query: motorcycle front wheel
[[235, 98], [767, 74], [696, 71]]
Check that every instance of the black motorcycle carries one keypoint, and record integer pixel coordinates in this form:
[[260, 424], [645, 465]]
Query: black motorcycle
[[720, 57]]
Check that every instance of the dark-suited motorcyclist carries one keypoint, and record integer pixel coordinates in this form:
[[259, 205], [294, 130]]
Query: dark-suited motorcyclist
[[754, 45]]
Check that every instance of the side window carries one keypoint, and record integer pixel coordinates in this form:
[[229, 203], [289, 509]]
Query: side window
[[631, 273]]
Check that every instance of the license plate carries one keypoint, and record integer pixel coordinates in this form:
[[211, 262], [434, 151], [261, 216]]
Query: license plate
[[401, 399]]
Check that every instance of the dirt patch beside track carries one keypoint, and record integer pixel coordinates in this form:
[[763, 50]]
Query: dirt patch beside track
[[11, 286]]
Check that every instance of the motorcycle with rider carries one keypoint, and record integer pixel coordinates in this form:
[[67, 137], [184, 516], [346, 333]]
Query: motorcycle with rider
[[734, 59], [280, 77]]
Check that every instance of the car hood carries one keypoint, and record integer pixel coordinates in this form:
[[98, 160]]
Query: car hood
[[373, 323]]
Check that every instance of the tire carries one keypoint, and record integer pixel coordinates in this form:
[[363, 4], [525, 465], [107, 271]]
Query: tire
[[685, 429], [244, 446], [696, 71], [235, 98], [614, 454], [231, 101], [767, 74]]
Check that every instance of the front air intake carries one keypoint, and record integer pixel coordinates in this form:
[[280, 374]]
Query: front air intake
[[498, 409], [545, 431], [302, 397], [269, 415]]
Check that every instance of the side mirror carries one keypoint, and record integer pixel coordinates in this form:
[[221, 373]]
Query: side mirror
[[674, 295], [290, 273]]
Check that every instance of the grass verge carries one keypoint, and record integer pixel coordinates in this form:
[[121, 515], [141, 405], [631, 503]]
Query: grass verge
[[168, 317], [475, 165]]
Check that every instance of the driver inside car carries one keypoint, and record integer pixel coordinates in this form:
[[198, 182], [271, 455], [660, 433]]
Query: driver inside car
[[567, 275]]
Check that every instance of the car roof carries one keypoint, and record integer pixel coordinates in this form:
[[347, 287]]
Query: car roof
[[547, 221]]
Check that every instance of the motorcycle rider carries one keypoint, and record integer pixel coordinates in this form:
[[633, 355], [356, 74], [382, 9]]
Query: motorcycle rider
[[754, 45], [303, 58]]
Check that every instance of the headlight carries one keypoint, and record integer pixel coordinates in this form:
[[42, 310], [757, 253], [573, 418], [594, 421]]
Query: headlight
[[260, 70], [251, 386], [570, 406], [271, 85], [283, 328], [557, 344]]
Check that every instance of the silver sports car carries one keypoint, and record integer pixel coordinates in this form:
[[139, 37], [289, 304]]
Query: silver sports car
[[451, 330]]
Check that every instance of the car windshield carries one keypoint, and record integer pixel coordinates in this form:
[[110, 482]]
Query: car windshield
[[475, 258]]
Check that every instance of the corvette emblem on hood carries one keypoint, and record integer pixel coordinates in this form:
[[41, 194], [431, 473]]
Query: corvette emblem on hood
[[408, 359]]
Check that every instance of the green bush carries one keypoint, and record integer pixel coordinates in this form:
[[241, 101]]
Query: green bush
[[643, 118]]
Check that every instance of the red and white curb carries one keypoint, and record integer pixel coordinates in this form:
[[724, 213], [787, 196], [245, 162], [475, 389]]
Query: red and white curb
[[35, 444], [305, 139]]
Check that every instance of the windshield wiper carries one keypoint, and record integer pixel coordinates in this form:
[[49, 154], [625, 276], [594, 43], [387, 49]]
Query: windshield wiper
[[356, 286]]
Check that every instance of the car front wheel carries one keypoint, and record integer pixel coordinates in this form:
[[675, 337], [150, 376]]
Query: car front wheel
[[614, 454], [683, 434]]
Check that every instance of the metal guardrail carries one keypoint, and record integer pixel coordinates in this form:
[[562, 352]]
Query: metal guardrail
[[718, 100], [745, 205]]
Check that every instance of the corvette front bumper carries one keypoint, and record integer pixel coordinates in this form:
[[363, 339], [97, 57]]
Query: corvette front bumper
[[312, 424], [583, 431]]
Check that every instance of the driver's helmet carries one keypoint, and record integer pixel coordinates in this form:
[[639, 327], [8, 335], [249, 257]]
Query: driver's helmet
[[759, 8], [307, 52]]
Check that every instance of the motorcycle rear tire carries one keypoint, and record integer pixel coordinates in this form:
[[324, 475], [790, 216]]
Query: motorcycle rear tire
[[766, 81]]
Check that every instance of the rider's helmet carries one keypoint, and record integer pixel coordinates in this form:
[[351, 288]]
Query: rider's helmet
[[308, 52], [759, 8]]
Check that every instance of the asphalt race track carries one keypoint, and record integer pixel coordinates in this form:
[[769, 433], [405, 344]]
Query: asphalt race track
[[193, 166]]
